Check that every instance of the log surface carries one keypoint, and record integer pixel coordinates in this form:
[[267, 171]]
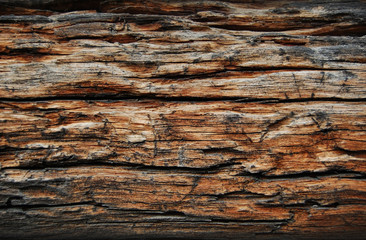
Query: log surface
[[182, 119]]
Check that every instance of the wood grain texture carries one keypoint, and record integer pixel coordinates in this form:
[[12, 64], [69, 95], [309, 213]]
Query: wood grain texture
[[182, 119]]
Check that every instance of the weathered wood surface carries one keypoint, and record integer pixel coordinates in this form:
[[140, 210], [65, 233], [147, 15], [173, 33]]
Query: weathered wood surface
[[182, 119]]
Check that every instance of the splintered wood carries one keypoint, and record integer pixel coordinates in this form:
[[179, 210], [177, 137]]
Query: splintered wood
[[182, 119]]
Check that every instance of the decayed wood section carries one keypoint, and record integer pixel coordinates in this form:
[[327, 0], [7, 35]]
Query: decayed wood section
[[182, 119]]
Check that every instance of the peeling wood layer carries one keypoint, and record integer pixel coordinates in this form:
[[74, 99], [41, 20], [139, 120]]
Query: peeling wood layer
[[182, 119]]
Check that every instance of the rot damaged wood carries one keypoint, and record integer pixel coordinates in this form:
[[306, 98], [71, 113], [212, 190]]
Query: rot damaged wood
[[182, 119]]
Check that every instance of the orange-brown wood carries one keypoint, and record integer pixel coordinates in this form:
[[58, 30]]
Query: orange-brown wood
[[182, 119]]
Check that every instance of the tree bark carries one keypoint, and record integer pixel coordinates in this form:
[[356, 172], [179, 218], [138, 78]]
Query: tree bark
[[182, 119]]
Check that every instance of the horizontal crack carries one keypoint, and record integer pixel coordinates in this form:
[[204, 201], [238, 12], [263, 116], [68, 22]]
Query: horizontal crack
[[250, 69], [308, 174], [159, 214], [248, 194], [116, 97], [137, 166], [357, 153], [269, 221], [31, 206]]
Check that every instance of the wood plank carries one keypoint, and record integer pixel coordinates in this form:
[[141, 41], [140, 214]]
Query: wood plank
[[268, 138], [114, 55]]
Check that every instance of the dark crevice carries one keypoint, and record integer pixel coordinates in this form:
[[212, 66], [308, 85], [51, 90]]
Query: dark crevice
[[264, 28], [128, 165], [126, 38], [268, 221], [29, 52], [152, 97], [235, 194], [336, 172], [25, 207], [357, 153], [221, 151], [167, 214], [355, 30], [253, 69]]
